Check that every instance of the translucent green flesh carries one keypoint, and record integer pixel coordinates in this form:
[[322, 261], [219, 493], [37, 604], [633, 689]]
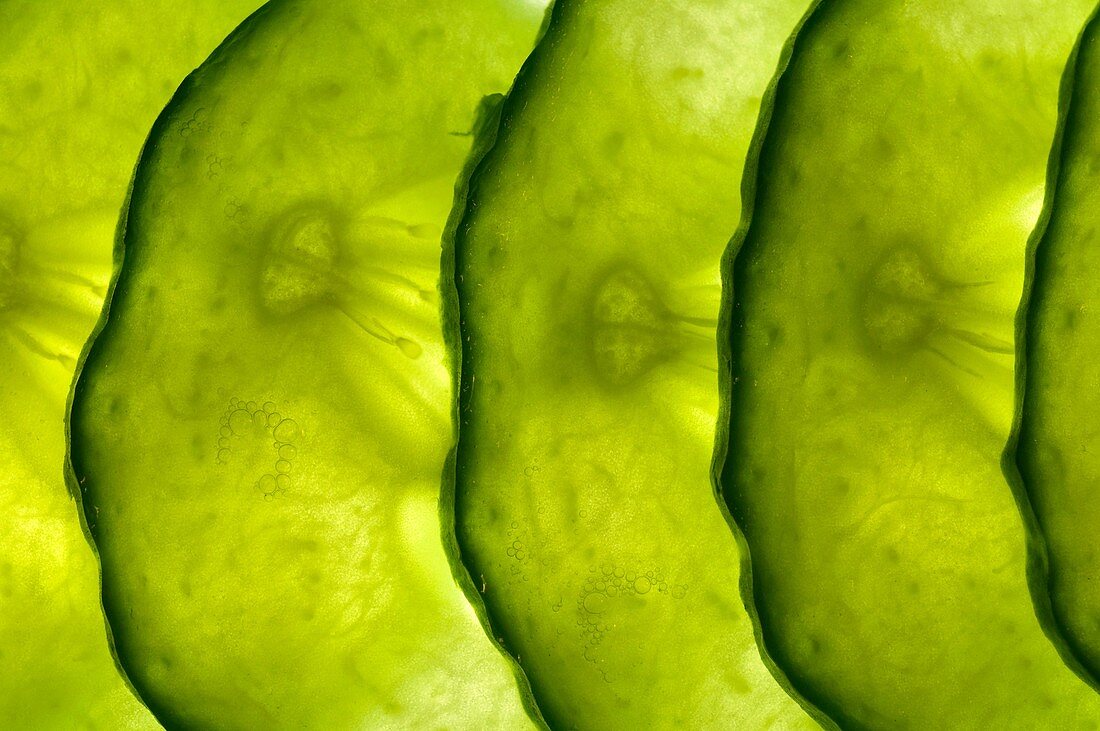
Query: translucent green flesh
[[260, 429], [588, 273], [1058, 442], [872, 339], [80, 85]]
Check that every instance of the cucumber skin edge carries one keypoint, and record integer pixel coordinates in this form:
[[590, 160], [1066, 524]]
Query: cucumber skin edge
[[1038, 555], [729, 323], [163, 716], [486, 131]]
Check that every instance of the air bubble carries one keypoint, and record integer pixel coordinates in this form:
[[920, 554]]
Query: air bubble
[[286, 431], [239, 422], [595, 603], [267, 485]]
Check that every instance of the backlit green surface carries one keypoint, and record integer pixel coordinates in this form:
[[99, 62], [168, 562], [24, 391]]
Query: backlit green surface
[[1058, 436], [260, 429], [80, 85], [872, 337], [588, 273]]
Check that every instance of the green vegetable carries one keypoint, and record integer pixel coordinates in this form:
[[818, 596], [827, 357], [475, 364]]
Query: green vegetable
[[260, 426], [588, 277], [872, 339], [80, 85], [1056, 437]]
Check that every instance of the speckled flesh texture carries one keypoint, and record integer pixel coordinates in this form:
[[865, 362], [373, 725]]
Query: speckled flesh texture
[[260, 427], [1057, 437], [872, 342], [80, 85], [587, 268]]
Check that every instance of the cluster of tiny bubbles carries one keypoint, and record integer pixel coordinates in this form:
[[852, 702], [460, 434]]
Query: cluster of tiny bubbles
[[234, 210], [195, 123], [214, 166], [248, 419], [517, 551], [602, 586]]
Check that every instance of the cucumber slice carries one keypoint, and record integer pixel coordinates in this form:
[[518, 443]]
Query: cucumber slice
[[80, 85], [871, 331], [1056, 438], [260, 427], [588, 278]]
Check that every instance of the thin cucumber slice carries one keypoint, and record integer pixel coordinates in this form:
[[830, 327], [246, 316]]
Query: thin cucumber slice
[[260, 427], [587, 269], [1056, 439], [80, 85], [871, 331]]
